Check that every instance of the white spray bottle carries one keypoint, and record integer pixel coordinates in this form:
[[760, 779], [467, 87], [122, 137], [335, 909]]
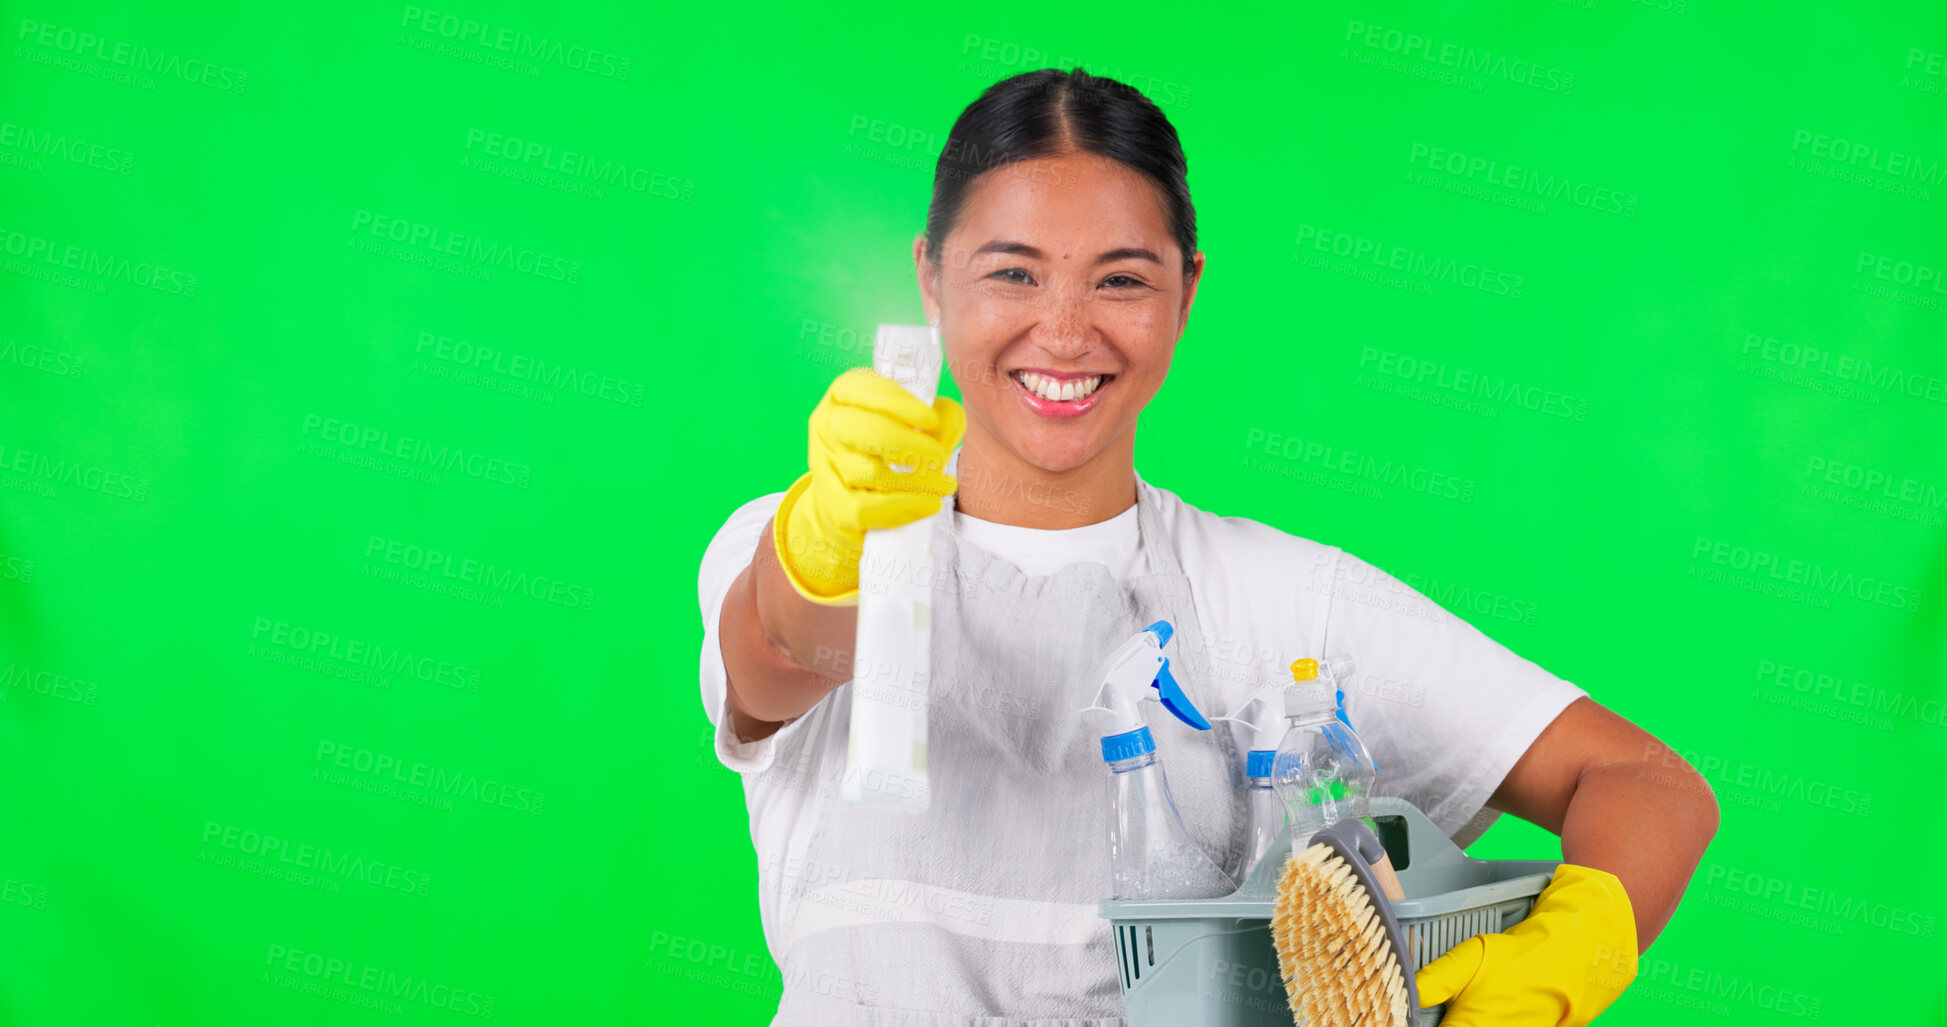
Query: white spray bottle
[[1151, 853], [885, 758], [1266, 812]]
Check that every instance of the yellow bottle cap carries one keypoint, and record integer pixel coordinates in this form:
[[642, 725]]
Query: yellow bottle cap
[[1304, 670]]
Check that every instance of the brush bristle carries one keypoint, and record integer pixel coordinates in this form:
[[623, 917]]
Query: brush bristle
[[1338, 963]]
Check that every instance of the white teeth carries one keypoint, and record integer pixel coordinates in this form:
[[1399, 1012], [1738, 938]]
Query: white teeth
[[1059, 391]]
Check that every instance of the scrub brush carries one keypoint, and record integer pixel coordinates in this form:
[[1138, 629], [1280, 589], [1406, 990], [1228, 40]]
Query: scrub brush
[[1339, 949]]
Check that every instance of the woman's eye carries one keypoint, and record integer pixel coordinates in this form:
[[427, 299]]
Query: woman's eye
[[1120, 281], [1024, 279]]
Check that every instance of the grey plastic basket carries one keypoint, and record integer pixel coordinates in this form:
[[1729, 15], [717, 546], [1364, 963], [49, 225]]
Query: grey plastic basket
[[1210, 962]]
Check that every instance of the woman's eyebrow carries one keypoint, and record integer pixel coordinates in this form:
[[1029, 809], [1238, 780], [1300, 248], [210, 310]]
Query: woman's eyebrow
[[1023, 249]]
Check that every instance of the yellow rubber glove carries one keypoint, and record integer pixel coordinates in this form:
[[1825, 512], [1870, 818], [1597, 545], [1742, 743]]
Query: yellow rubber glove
[[865, 423], [1572, 956]]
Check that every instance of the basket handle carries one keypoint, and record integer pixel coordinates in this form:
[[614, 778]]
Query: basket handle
[[1426, 844]]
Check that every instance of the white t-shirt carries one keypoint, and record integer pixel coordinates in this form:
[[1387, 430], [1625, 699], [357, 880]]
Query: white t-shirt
[[1038, 551], [1445, 710]]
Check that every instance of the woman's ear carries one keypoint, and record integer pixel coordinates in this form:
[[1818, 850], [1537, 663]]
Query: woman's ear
[[929, 293], [1190, 283]]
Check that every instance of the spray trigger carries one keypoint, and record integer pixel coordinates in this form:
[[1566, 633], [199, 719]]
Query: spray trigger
[[1175, 701]]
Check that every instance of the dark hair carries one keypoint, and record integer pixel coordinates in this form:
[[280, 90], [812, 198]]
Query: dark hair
[[1050, 112]]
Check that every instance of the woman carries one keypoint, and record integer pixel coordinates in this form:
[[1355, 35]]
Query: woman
[[1059, 263]]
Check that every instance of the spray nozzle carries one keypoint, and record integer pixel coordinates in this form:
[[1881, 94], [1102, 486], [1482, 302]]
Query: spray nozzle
[[1264, 733], [1132, 671], [1313, 678]]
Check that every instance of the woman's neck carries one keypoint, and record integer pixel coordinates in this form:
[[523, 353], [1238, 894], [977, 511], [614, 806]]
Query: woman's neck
[[997, 485]]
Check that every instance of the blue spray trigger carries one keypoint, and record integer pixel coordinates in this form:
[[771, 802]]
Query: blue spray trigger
[[1347, 721], [1174, 700]]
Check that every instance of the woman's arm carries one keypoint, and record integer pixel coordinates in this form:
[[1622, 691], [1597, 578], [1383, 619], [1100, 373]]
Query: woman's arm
[[1621, 801], [782, 652]]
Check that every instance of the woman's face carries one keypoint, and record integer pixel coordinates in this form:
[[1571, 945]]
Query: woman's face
[[1061, 295]]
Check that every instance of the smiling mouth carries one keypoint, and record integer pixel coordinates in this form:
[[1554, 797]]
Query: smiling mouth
[[1058, 388]]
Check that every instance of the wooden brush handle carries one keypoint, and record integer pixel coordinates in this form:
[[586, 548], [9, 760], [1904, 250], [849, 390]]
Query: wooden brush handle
[[1388, 880]]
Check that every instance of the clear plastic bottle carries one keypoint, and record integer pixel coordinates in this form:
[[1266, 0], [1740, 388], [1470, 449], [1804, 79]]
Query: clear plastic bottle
[[1267, 813], [1322, 772], [1153, 856]]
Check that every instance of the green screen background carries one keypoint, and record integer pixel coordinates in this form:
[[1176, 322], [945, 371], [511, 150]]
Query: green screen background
[[1702, 450]]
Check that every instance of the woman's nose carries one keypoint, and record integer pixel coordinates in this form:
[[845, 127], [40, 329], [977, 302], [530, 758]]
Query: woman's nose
[[1063, 327]]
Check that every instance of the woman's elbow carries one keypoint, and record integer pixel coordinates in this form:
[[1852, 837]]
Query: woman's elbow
[[1701, 802], [1707, 812]]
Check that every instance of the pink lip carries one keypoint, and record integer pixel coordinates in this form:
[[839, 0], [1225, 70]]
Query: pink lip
[[1054, 408]]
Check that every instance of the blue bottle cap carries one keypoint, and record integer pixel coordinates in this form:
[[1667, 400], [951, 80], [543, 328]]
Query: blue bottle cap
[[1258, 763], [1127, 744]]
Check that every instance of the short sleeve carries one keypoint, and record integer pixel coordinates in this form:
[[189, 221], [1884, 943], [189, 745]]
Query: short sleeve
[[726, 557], [1446, 710]]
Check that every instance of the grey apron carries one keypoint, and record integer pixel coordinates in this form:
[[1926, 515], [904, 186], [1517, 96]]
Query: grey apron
[[983, 910]]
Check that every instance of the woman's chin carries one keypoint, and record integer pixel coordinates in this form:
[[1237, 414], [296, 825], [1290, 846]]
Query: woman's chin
[[1057, 452]]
